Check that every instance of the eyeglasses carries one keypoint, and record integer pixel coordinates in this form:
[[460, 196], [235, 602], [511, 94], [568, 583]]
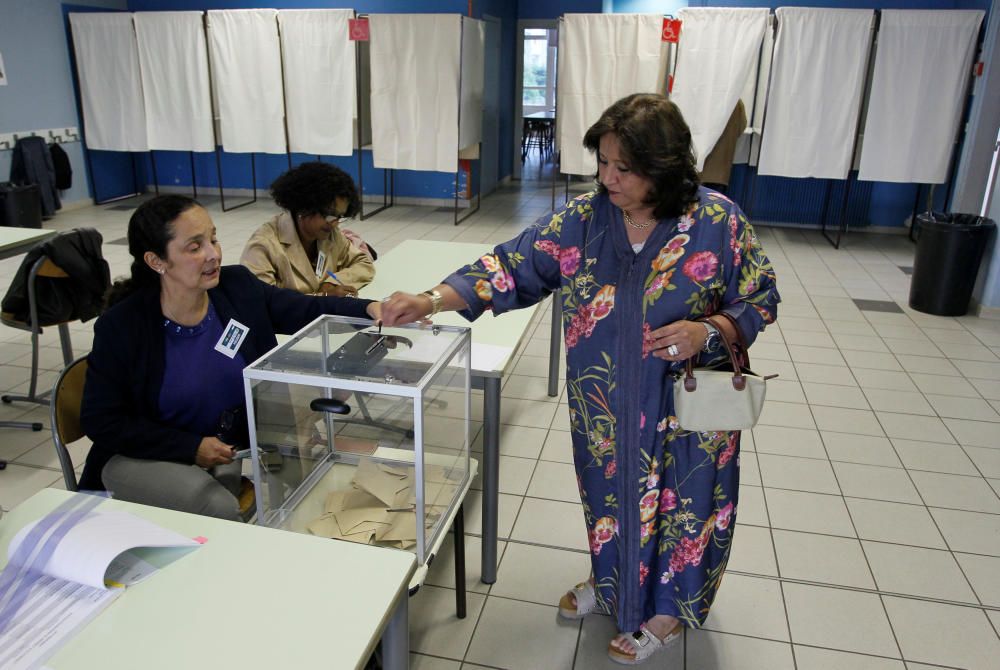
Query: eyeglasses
[[334, 218]]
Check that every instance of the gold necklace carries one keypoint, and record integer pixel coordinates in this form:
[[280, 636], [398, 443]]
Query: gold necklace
[[638, 226]]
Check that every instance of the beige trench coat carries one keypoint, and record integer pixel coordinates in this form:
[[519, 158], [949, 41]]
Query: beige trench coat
[[275, 254]]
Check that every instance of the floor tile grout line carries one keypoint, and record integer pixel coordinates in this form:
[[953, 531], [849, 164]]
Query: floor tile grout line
[[479, 619], [878, 465], [871, 572], [861, 653], [885, 610], [785, 530], [876, 591], [876, 541], [937, 526], [821, 493], [774, 553]]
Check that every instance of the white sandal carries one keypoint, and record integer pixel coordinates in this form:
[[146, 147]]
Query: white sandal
[[586, 602], [646, 644]]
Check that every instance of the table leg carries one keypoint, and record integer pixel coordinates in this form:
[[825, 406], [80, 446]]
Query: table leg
[[459, 531], [396, 636], [554, 346], [491, 476]]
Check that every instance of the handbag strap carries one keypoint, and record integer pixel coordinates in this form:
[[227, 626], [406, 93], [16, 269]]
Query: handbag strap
[[742, 350]]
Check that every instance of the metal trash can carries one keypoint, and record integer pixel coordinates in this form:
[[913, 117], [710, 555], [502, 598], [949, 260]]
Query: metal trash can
[[949, 250]]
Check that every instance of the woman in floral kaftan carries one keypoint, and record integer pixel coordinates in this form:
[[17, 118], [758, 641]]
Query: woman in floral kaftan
[[635, 264]]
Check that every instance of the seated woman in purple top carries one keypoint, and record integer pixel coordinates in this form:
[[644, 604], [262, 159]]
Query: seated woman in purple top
[[168, 357]]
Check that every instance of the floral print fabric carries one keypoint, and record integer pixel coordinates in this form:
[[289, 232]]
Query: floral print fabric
[[659, 502]]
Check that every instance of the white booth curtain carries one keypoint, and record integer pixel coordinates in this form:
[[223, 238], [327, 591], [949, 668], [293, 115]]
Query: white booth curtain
[[320, 73], [107, 65], [753, 96], [416, 74], [717, 54], [814, 99], [922, 67], [173, 60], [470, 122], [246, 67], [602, 58]]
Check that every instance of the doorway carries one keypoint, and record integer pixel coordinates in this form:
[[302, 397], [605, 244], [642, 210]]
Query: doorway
[[535, 99]]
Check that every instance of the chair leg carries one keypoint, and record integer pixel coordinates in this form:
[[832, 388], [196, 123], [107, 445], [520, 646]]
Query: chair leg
[[33, 395], [22, 424], [66, 344], [34, 364], [459, 530]]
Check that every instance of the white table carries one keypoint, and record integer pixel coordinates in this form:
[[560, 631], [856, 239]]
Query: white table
[[417, 265], [15, 241], [250, 598]]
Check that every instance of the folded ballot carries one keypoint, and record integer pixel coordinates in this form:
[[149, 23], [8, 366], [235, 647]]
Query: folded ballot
[[380, 505]]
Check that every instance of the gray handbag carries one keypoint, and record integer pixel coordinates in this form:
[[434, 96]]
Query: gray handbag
[[708, 400]]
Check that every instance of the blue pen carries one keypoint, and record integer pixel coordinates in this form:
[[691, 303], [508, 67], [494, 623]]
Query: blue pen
[[334, 277]]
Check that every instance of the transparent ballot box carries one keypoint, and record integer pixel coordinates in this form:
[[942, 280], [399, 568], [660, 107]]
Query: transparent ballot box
[[362, 434]]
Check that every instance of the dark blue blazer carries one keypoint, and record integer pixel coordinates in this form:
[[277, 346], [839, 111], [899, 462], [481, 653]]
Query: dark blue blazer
[[120, 411]]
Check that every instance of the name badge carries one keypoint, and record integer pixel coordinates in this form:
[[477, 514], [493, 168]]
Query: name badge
[[320, 264], [232, 337]]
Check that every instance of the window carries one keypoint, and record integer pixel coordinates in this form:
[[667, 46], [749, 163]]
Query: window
[[539, 70]]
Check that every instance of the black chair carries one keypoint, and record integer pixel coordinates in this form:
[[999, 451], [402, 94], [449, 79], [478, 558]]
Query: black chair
[[67, 396], [42, 268]]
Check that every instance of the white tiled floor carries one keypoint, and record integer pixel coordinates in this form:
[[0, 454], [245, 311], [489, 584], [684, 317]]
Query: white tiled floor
[[869, 506]]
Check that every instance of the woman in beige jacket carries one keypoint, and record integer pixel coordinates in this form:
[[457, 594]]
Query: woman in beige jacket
[[303, 248]]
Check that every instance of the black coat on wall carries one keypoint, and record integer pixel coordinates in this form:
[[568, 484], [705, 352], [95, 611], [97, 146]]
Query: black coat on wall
[[63, 169]]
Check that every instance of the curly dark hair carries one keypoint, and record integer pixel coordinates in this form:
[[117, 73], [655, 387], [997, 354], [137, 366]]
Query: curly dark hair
[[656, 142], [150, 229], [309, 188]]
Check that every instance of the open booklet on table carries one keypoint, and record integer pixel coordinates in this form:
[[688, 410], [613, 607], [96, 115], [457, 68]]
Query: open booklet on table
[[65, 568]]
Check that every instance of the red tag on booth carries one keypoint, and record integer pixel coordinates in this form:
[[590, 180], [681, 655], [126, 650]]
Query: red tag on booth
[[670, 83], [671, 30], [358, 29]]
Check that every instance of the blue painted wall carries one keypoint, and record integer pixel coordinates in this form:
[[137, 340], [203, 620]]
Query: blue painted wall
[[553, 9], [650, 6], [39, 94]]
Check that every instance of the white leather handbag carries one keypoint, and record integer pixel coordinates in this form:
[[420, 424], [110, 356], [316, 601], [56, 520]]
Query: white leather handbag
[[707, 399]]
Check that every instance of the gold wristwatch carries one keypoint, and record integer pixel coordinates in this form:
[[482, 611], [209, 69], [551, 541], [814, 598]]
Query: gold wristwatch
[[436, 298]]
